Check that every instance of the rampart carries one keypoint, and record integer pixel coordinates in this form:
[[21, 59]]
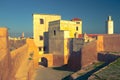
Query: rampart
[[84, 57], [5, 60], [14, 44], [89, 53], [18, 56], [111, 43]]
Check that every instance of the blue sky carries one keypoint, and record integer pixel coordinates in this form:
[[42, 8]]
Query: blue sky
[[17, 14]]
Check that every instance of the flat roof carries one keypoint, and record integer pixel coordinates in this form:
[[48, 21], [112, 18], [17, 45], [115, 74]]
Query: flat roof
[[45, 14]]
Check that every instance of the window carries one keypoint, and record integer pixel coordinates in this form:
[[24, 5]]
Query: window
[[41, 37], [40, 48], [41, 21], [76, 28], [54, 32], [77, 22]]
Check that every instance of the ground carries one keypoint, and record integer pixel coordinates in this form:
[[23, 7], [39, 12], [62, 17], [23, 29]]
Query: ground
[[43, 73]]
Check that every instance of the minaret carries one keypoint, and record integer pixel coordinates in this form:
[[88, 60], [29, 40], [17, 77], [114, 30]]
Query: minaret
[[110, 26]]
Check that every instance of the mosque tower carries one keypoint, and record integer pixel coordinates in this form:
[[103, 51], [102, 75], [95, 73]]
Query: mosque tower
[[110, 26]]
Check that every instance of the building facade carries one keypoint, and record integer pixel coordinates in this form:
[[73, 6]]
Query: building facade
[[40, 26], [60, 33]]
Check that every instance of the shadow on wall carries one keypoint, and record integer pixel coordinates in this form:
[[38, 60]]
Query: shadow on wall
[[46, 42], [44, 62], [88, 74], [107, 57], [74, 61]]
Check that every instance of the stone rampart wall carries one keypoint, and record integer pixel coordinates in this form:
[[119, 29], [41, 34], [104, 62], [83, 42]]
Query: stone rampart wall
[[111, 43], [89, 53], [18, 56], [5, 65], [14, 44], [84, 57]]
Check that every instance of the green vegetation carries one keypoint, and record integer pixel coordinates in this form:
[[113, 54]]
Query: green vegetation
[[97, 64], [110, 72]]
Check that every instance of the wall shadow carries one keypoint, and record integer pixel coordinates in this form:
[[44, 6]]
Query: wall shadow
[[88, 74], [74, 61], [107, 57], [44, 62], [46, 42], [63, 68]]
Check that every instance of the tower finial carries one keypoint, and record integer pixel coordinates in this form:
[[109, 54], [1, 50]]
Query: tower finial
[[109, 18]]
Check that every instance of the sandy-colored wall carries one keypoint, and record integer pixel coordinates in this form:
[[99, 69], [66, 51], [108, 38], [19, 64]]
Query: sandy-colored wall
[[39, 29], [49, 59], [18, 56], [5, 64], [100, 46], [4, 67], [32, 48], [14, 44], [71, 26]]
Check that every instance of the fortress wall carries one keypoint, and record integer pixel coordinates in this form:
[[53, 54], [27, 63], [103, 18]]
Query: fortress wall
[[52, 59], [89, 53], [5, 64], [111, 43], [58, 60], [32, 48], [4, 67], [30, 71], [46, 59], [84, 57], [18, 56], [14, 44]]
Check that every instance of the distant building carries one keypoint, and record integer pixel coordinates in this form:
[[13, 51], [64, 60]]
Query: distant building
[[23, 35], [109, 26]]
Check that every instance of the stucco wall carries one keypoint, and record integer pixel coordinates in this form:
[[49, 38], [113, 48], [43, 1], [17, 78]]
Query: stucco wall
[[32, 48], [39, 29], [56, 42]]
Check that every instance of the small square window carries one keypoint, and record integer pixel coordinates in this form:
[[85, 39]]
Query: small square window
[[40, 48], [77, 22], [41, 37], [41, 21]]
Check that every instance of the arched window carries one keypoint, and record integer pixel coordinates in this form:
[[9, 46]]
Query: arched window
[[41, 21]]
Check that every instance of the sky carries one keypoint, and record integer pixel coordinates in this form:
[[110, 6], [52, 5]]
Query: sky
[[16, 15]]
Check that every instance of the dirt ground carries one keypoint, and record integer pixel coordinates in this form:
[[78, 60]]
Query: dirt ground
[[43, 73]]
